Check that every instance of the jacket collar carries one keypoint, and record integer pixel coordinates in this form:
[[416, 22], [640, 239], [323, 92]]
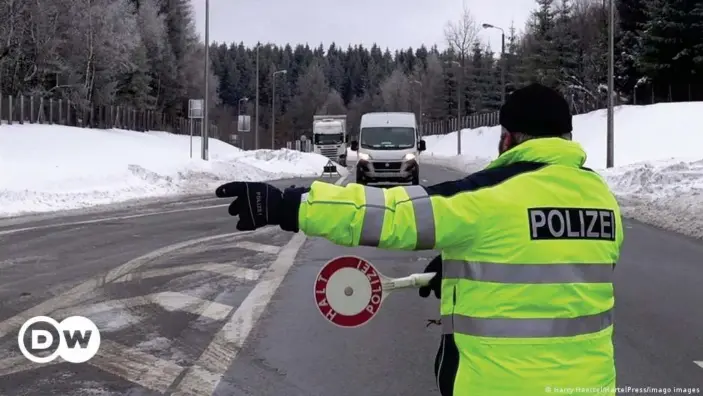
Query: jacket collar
[[552, 151]]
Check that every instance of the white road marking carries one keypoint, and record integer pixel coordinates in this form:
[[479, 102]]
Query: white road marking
[[202, 378], [224, 269], [136, 366], [173, 301], [18, 364], [66, 299], [170, 301], [150, 371], [258, 247], [699, 363], [103, 219], [205, 373]]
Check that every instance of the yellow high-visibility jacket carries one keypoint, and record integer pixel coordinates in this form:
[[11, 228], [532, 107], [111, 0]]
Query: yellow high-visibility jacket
[[528, 245]]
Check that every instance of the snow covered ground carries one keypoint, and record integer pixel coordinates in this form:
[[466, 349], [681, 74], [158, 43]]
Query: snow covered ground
[[658, 173], [48, 168]]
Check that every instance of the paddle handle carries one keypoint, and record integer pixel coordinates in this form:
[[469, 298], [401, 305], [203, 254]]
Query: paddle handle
[[413, 280]]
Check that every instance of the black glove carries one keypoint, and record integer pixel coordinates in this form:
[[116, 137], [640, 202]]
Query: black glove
[[435, 284], [261, 204]]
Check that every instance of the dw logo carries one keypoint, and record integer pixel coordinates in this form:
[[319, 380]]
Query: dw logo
[[76, 339]]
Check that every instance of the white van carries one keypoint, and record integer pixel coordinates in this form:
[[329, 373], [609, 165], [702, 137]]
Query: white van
[[388, 149]]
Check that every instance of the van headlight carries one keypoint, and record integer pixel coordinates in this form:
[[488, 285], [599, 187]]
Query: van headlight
[[364, 156], [409, 156]]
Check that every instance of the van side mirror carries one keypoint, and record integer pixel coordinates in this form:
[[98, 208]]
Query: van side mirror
[[355, 145], [421, 146], [346, 138]]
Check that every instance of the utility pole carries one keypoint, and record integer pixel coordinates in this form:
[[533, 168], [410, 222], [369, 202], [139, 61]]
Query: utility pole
[[273, 107], [502, 67], [256, 115], [206, 120], [502, 58], [421, 118], [610, 159], [459, 76]]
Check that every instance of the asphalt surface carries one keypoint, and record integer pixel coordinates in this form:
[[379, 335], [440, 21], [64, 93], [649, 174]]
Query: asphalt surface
[[181, 298]]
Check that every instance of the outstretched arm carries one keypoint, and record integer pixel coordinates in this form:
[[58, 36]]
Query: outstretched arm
[[402, 218]]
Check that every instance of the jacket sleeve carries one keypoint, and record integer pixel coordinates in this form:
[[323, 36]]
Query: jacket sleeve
[[400, 218]]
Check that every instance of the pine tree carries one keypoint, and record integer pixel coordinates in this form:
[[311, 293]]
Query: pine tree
[[668, 46]]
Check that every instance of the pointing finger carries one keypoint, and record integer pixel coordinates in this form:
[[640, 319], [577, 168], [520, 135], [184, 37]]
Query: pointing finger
[[230, 190]]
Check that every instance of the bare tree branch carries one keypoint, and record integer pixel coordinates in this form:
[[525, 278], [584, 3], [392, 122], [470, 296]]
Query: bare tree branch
[[462, 34]]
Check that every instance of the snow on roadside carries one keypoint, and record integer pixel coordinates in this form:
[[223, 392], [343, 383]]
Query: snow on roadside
[[658, 178], [667, 194], [48, 167]]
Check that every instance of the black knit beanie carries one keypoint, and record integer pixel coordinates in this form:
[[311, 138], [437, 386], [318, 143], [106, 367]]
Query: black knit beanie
[[536, 110]]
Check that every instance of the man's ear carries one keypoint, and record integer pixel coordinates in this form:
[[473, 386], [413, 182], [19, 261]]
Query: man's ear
[[506, 141]]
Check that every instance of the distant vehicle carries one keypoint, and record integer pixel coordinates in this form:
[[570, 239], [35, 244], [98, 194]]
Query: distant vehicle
[[388, 148], [329, 137]]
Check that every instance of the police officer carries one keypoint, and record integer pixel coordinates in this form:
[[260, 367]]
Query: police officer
[[528, 246]]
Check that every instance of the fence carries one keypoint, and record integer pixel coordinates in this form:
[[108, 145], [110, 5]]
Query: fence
[[644, 94], [23, 109], [469, 121]]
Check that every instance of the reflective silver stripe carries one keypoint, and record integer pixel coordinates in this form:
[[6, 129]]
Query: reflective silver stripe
[[373, 218], [526, 328], [376, 209], [528, 273], [424, 217]]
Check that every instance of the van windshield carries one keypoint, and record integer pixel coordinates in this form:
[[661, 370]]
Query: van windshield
[[387, 138]]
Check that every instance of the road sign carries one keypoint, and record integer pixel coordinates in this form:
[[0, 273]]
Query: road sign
[[329, 168], [244, 123], [196, 108], [348, 291]]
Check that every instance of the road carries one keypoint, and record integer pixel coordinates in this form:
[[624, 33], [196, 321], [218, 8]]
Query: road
[[182, 300]]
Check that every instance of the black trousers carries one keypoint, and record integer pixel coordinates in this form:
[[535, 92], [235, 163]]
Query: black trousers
[[446, 365]]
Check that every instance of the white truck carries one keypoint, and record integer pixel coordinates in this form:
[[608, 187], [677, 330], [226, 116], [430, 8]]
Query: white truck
[[388, 149], [329, 137]]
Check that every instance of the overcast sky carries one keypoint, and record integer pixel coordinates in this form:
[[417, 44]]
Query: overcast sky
[[389, 23]]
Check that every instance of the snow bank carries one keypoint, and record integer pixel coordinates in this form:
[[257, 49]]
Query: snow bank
[[658, 176], [665, 193], [48, 168]]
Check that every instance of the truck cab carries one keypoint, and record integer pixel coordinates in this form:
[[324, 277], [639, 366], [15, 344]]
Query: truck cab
[[329, 138], [388, 149]]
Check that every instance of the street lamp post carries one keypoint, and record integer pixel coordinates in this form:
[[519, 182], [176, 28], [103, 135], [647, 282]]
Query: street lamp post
[[421, 119], [459, 102], [206, 119], [502, 59], [610, 158], [273, 107], [256, 111]]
